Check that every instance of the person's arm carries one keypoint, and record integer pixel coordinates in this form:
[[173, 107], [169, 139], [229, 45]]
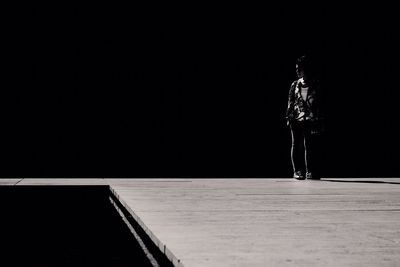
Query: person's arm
[[290, 106]]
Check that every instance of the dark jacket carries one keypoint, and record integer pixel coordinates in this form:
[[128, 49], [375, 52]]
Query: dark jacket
[[305, 110]]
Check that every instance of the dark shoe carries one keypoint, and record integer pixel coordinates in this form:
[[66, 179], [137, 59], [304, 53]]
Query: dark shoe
[[298, 176], [310, 176]]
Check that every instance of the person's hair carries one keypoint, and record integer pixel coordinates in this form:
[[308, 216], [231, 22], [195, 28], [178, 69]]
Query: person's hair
[[303, 63]]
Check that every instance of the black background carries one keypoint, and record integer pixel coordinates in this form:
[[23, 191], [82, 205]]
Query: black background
[[108, 90]]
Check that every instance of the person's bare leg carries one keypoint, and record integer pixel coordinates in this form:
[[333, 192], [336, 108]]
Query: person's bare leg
[[297, 151]]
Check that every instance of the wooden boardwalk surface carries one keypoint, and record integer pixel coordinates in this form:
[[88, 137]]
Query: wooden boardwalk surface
[[263, 222]]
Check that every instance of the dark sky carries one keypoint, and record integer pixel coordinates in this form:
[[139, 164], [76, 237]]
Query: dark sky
[[194, 91]]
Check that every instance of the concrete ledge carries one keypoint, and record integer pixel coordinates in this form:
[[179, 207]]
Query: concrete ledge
[[261, 222], [161, 246]]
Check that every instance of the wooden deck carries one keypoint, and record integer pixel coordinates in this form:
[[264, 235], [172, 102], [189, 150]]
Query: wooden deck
[[262, 222]]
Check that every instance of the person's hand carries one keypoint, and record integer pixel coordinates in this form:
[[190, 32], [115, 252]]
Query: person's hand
[[319, 129]]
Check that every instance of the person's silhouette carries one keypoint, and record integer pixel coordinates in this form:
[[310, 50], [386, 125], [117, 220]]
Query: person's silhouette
[[304, 117]]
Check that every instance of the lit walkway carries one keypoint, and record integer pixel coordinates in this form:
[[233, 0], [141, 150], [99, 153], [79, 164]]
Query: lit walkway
[[263, 222]]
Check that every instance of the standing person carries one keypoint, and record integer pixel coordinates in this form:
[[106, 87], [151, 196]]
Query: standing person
[[304, 117]]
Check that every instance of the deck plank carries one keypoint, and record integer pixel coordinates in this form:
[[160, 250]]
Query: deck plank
[[270, 222], [62, 181], [9, 181], [263, 222]]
